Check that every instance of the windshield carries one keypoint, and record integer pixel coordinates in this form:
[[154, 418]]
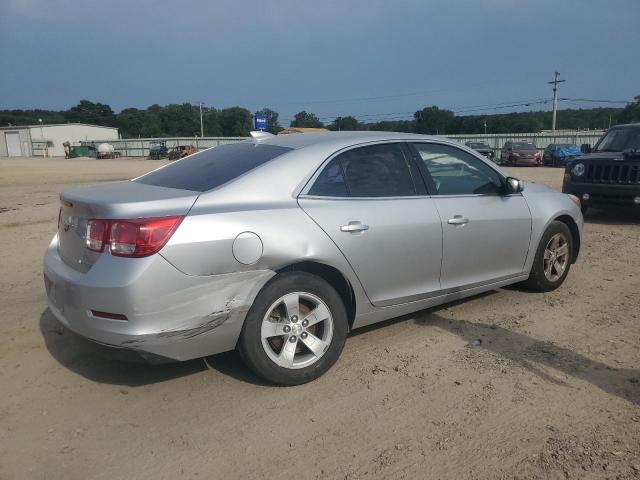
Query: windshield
[[524, 146], [619, 139]]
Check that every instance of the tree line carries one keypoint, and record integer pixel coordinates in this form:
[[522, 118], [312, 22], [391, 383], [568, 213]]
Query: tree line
[[183, 120]]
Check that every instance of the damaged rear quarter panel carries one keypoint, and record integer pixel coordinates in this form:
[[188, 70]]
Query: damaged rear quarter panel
[[201, 319]]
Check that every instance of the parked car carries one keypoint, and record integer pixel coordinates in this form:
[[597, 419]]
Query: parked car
[[181, 151], [481, 148], [280, 245], [158, 150], [558, 154], [608, 174], [519, 154]]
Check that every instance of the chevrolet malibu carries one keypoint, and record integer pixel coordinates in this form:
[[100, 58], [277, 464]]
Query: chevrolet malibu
[[279, 245]]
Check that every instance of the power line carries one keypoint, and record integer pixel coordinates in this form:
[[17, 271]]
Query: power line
[[589, 100]]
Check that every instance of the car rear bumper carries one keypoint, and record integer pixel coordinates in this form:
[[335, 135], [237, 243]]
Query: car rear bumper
[[525, 162], [168, 313]]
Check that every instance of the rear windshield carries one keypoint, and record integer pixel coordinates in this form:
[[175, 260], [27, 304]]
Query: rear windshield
[[477, 145], [211, 168]]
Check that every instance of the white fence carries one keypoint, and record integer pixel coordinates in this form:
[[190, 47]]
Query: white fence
[[139, 147], [540, 140]]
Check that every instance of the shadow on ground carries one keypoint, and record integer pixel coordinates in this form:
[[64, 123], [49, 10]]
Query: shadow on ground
[[103, 364], [114, 366], [534, 355], [613, 216], [124, 367]]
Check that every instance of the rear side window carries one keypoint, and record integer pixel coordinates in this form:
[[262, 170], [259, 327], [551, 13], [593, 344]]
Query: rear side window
[[214, 167], [373, 171]]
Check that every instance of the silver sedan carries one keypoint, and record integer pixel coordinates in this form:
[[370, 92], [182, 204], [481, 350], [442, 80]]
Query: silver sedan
[[278, 246]]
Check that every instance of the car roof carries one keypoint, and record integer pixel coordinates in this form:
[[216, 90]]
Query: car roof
[[338, 140], [625, 125]]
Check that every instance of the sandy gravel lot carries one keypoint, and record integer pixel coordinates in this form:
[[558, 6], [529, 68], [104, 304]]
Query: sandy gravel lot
[[552, 392]]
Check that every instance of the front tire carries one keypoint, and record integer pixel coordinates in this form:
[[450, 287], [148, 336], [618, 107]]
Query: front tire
[[553, 259], [295, 330]]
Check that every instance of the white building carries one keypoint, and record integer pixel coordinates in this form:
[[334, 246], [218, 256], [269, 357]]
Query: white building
[[47, 140]]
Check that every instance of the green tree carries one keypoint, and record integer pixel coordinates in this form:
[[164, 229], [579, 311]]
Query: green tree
[[180, 120], [272, 120], [345, 123], [235, 122], [407, 126], [631, 113], [433, 120], [211, 120], [89, 112], [305, 119]]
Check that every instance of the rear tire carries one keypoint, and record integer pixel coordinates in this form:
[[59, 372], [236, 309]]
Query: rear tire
[[283, 340], [553, 259]]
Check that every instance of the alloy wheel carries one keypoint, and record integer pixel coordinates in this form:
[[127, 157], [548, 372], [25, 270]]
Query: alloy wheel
[[297, 330], [556, 257]]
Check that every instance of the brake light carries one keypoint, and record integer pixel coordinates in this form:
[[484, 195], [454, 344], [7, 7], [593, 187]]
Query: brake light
[[131, 238], [95, 238]]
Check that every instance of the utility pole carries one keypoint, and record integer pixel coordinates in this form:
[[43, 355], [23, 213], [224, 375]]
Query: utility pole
[[555, 83], [201, 124], [485, 126]]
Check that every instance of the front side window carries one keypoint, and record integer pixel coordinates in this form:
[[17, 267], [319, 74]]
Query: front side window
[[455, 172], [373, 171]]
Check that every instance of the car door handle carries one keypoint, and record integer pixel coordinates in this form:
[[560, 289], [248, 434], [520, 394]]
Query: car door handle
[[354, 227], [458, 220]]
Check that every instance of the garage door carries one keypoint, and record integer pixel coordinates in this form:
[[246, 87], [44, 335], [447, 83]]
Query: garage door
[[13, 144]]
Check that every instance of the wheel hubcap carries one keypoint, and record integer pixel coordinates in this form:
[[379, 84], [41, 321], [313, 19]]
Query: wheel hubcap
[[297, 330], [556, 257]]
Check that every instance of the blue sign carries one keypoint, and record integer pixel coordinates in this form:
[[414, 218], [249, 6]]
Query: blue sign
[[260, 121]]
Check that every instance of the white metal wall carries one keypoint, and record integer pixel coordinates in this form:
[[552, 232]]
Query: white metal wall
[[24, 141], [72, 132]]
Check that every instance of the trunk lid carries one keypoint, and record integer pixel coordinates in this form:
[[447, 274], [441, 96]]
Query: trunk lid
[[118, 200]]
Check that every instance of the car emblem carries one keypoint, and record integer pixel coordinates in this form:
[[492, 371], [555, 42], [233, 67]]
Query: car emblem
[[67, 223]]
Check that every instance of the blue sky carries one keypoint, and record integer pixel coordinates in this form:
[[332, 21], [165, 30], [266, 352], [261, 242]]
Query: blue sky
[[374, 59]]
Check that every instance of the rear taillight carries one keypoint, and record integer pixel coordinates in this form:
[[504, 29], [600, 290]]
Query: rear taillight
[[96, 232], [139, 237]]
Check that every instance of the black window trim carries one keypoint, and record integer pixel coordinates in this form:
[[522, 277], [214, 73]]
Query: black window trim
[[429, 180], [416, 178]]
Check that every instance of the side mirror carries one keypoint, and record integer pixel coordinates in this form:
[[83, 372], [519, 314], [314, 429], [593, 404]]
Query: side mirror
[[585, 148], [514, 185]]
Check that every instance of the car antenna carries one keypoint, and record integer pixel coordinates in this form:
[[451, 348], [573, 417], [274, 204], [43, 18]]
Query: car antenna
[[258, 135]]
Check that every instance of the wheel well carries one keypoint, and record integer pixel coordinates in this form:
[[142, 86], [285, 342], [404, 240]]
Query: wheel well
[[334, 277], [575, 233]]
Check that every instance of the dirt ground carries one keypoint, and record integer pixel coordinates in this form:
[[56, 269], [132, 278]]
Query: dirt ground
[[552, 391]]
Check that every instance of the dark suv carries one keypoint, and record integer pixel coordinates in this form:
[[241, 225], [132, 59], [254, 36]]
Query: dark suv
[[481, 148], [608, 174]]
